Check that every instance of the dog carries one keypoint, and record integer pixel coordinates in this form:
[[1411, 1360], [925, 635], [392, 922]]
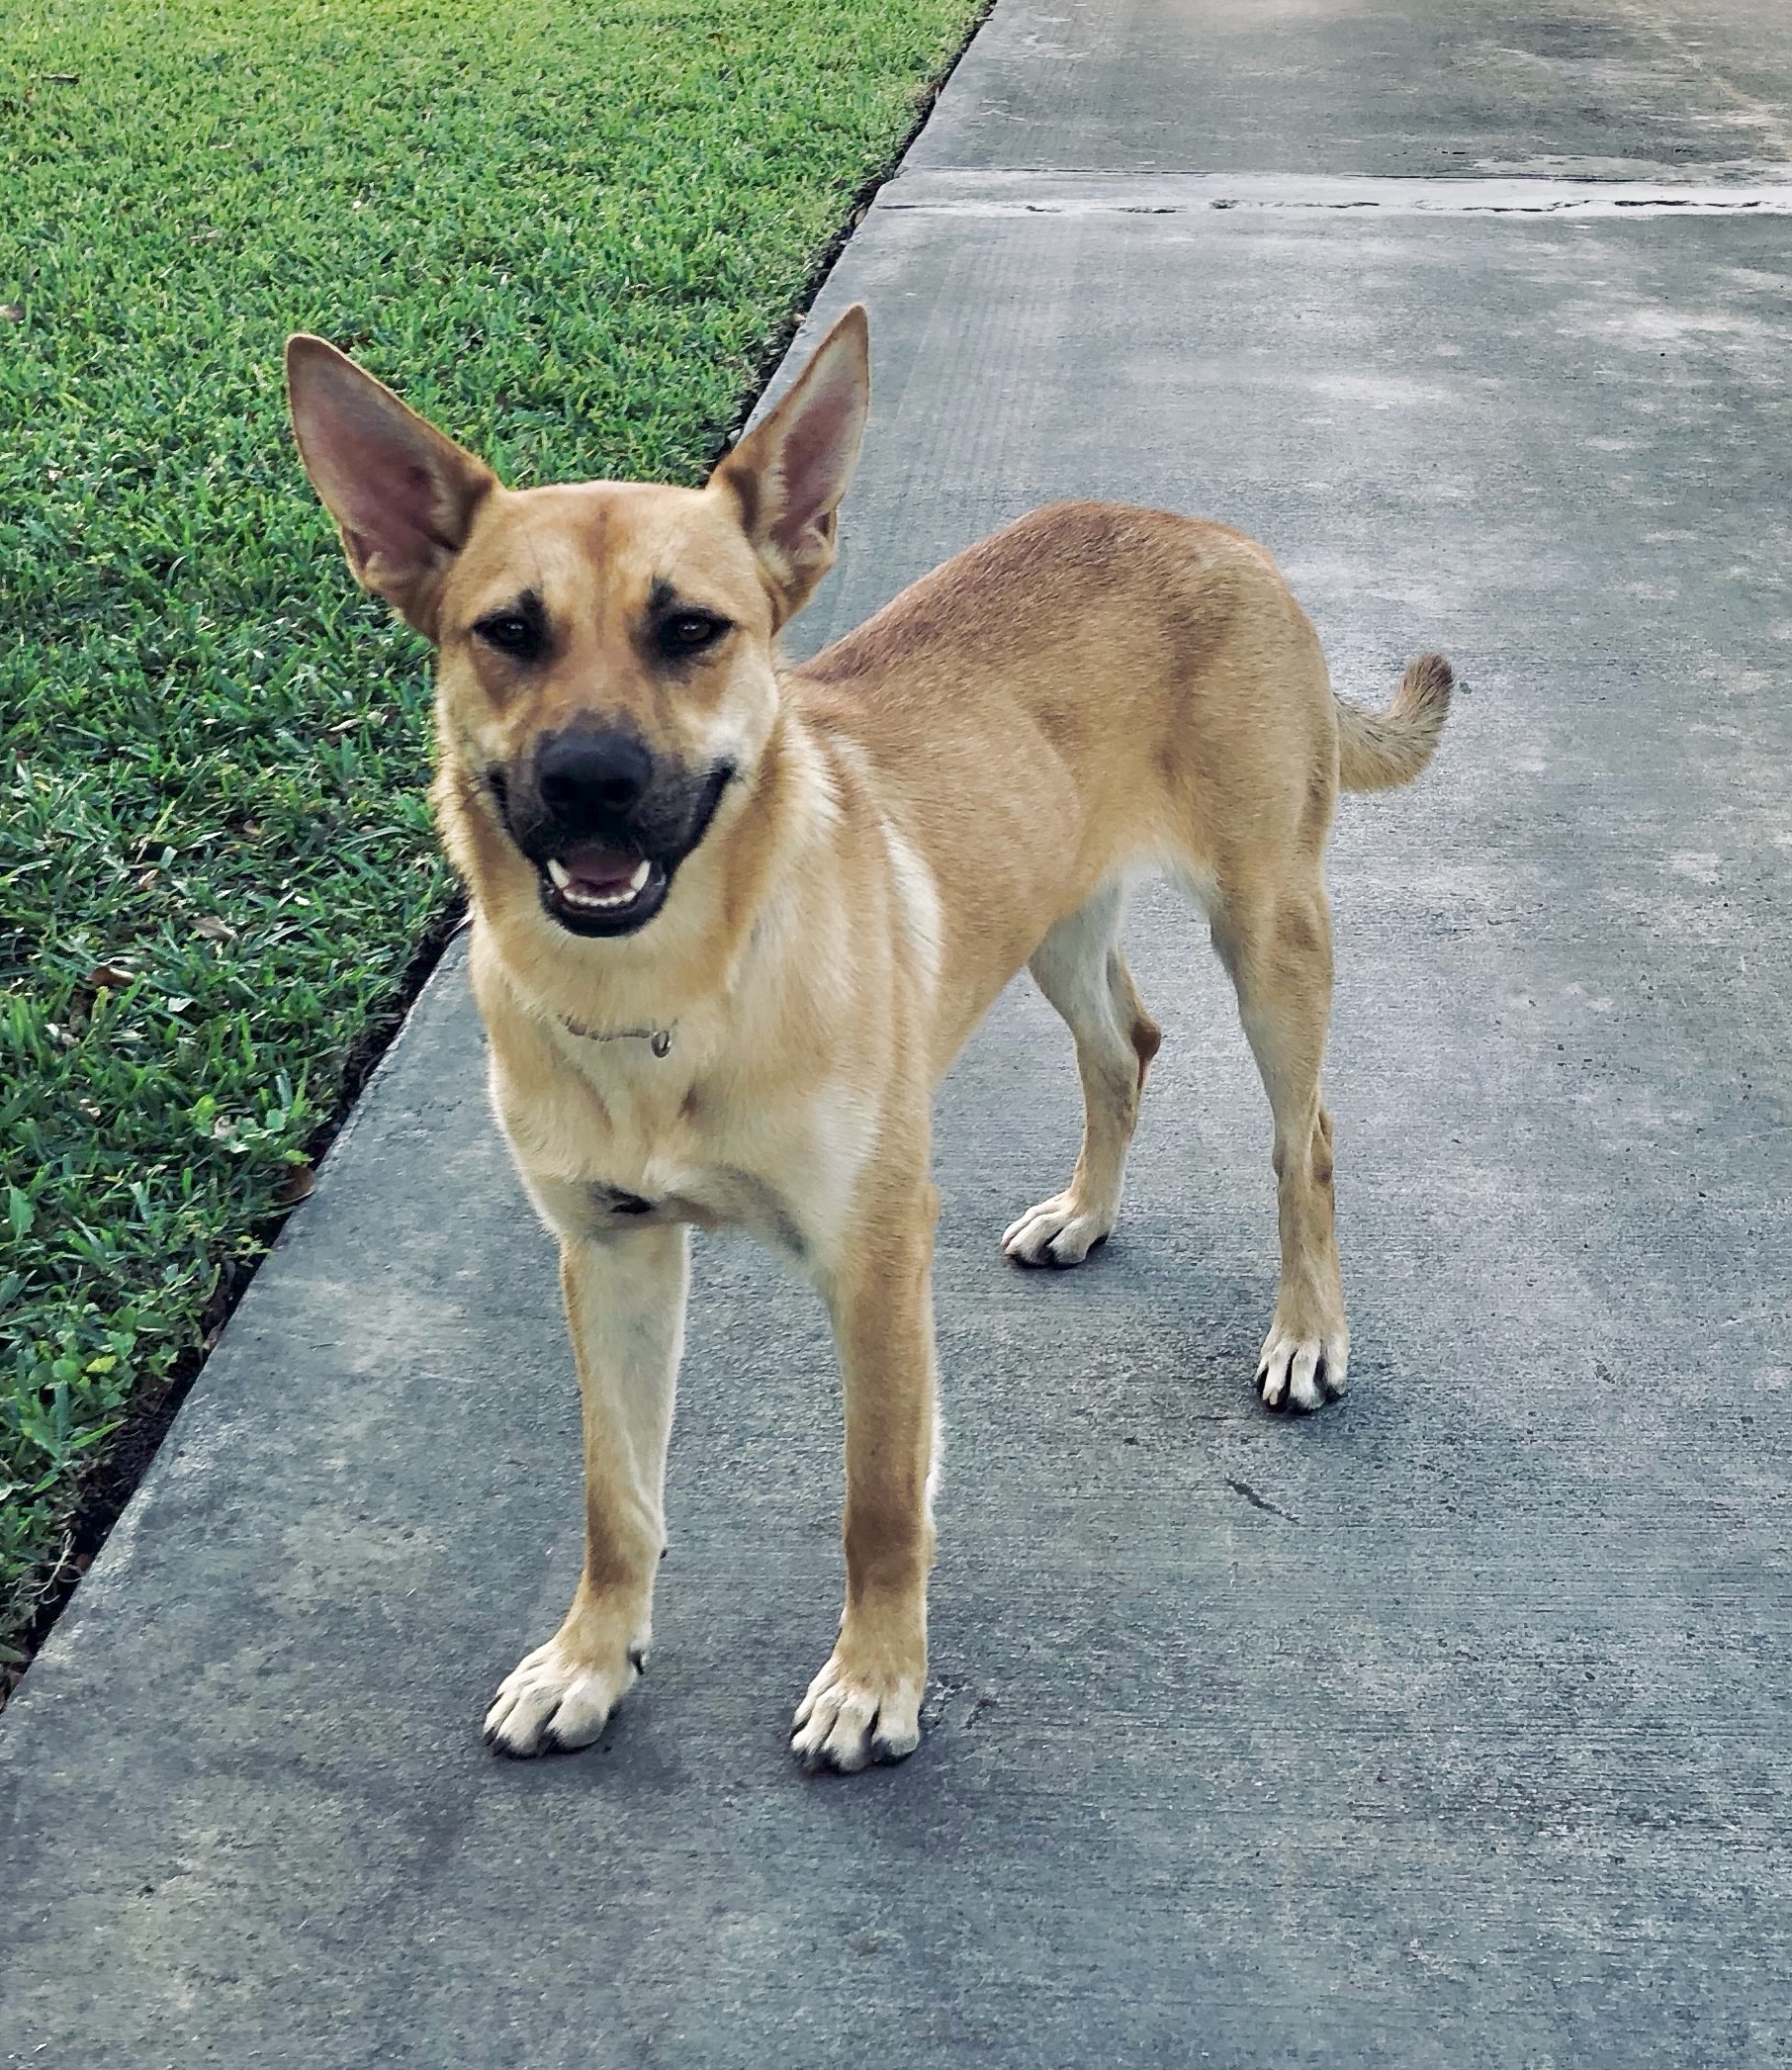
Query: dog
[[732, 920]]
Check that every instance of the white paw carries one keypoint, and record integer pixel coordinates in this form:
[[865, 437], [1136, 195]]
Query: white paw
[[849, 1721], [1058, 1232], [1303, 1371], [554, 1699]]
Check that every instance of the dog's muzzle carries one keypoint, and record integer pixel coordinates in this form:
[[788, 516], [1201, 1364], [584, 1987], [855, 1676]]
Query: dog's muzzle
[[606, 824]]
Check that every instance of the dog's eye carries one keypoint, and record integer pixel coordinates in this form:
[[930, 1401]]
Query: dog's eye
[[514, 633], [690, 632]]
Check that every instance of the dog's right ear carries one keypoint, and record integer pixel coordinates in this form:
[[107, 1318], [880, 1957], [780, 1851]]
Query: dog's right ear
[[403, 495]]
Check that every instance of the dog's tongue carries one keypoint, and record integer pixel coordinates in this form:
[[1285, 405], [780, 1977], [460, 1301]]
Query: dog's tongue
[[601, 872]]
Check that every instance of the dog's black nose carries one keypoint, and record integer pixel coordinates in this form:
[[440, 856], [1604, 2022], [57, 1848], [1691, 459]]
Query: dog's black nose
[[585, 776]]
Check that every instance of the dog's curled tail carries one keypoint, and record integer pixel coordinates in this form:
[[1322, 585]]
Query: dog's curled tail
[[1378, 750]]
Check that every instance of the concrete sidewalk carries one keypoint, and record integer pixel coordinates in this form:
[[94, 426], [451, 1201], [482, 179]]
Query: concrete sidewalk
[[1451, 1726]]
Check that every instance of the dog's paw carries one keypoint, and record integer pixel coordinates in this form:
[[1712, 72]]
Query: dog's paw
[[846, 1720], [557, 1698], [1305, 1373], [1058, 1232]]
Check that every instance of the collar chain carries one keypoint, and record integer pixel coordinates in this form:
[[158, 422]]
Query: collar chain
[[658, 1039]]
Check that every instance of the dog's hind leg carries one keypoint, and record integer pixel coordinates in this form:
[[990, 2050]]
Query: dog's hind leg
[[1277, 945], [1080, 969]]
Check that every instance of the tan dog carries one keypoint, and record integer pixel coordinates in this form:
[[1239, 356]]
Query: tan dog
[[733, 920]]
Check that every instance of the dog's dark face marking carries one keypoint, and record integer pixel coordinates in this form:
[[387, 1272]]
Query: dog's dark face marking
[[679, 630], [607, 661], [606, 823], [520, 631]]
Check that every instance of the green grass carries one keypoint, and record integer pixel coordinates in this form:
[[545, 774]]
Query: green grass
[[573, 235]]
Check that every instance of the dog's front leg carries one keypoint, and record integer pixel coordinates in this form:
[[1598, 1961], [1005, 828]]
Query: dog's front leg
[[865, 1703], [625, 1305]]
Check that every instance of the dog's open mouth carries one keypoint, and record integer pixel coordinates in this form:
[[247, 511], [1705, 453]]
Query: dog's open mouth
[[597, 890]]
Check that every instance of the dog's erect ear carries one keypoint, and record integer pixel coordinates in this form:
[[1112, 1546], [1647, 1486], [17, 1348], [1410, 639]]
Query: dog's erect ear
[[401, 494], [789, 473]]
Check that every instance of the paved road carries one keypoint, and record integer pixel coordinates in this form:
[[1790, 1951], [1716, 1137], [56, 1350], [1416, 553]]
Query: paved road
[[1451, 1726]]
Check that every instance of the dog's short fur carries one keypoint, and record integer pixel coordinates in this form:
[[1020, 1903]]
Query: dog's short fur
[[733, 920]]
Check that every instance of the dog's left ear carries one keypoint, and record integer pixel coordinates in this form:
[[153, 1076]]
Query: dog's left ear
[[788, 474]]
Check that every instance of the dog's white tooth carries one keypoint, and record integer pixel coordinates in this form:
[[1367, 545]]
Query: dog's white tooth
[[598, 900]]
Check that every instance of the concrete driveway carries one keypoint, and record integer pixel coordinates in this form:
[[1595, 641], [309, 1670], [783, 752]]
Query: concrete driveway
[[1449, 1726]]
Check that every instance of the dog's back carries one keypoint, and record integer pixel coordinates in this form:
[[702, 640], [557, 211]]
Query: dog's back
[[1094, 683]]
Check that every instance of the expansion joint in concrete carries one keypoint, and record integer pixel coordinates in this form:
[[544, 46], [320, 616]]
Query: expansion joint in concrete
[[1044, 193]]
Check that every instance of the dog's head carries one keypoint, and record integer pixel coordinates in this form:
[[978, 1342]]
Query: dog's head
[[605, 650]]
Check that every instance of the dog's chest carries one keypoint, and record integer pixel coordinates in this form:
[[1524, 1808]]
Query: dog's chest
[[665, 1144]]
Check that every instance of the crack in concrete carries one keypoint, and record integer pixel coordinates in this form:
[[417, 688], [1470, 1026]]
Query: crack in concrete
[[1257, 1502]]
